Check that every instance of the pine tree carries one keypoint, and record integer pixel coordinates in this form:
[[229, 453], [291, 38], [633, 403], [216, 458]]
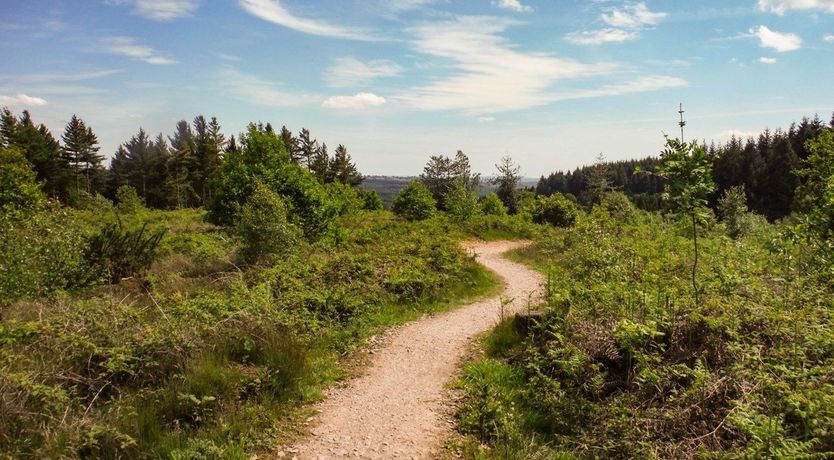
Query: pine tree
[[291, 144], [307, 148], [343, 170], [441, 172], [182, 162], [81, 152], [507, 182], [41, 150], [321, 165]]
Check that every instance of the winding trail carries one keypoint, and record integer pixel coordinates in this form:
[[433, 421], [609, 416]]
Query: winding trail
[[399, 408]]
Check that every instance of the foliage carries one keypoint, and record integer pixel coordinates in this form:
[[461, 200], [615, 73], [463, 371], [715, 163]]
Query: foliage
[[442, 175], [461, 202], [816, 195], [123, 252], [414, 202], [128, 201], [492, 205], [264, 229], [619, 206], [733, 208], [371, 201], [20, 192], [555, 210], [619, 364], [509, 175]]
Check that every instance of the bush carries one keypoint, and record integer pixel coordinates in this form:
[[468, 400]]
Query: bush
[[555, 210], [733, 208], [461, 203], [414, 202], [344, 198], [123, 253], [128, 201], [619, 206], [371, 201], [264, 228], [491, 205], [19, 188]]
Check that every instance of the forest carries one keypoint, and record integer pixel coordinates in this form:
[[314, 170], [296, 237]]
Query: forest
[[194, 298]]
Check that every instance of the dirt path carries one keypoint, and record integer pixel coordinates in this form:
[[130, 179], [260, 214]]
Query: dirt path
[[398, 408]]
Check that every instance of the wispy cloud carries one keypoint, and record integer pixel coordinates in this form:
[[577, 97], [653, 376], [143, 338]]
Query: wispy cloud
[[160, 10], [600, 36], [356, 102], [127, 46], [781, 42], [258, 91], [634, 16], [828, 38], [406, 5], [767, 60], [514, 5], [272, 11], [350, 72], [22, 100], [781, 7], [70, 76], [624, 24], [490, 75]]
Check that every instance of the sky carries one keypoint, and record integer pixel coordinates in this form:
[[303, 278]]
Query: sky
[[551, 83]]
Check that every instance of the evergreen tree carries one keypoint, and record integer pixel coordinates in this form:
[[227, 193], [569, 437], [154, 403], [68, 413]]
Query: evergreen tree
[[81, 152], [599, 182], [343, 170], [41, 150], [209, 144], [507, 182], [441, 172], [321, 165], [182, 163], [291, 144], [307, 148]]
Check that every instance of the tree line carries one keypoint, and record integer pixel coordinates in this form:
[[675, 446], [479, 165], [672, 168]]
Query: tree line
[[177, 171], [766, 166]]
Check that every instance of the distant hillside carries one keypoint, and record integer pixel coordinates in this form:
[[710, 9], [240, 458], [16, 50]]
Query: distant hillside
[[388, 186]]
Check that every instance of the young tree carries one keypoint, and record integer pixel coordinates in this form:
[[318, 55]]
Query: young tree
[[414, 202], [687, 171], [209, 143], [507, 181], [307, 148], [81, 152], [599, 180], [291, 144], [342, 169], [733, 208], [491, 205], [815, 197], [461, 202], [321, 165], [19, 190], [181, 164]]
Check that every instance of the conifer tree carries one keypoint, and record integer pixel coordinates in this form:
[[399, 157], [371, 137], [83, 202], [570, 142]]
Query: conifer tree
[[182, 163], [321, 165], [81, 152], [291, 145], [307, 148], [342, 169], [507, 182], [41, 150]]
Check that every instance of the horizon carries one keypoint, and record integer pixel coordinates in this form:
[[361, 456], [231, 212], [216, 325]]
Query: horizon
[[534, 80]]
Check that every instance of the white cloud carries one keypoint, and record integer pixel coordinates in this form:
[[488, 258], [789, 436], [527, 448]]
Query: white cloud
[[634, 16], [349, 72], [261, 92], [781, 42], [272, 11], [161, 10], [625, 25], [127, 46], [828, 38], [356, 102], [406, 5], [58, 77], [767, 60], [490, 75], [22, 100], [781, 7], [514, 5], [598, 37]]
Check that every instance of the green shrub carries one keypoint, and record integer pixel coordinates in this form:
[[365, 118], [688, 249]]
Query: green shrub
[[619, 206], [491, 205], [461, 202], [345, 198], [128, 201], [122, 252], [263, 227], [414, 202], [555, 210], [20, 192], [371, 201], [733, 209]]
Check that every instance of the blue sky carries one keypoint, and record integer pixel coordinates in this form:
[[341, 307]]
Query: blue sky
[[552, 83]]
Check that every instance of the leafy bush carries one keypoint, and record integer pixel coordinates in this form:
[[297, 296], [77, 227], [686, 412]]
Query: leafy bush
[[19, 189], [263, 227], [414, 202], [371, 201], [461, 202], [122, 252], [555, 210], [816, 196], [345, 198], [733, 208], [491, 205], [619, 206], [128, 201]]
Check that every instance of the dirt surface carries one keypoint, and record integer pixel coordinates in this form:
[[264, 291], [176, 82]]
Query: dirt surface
[[399, 407]]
